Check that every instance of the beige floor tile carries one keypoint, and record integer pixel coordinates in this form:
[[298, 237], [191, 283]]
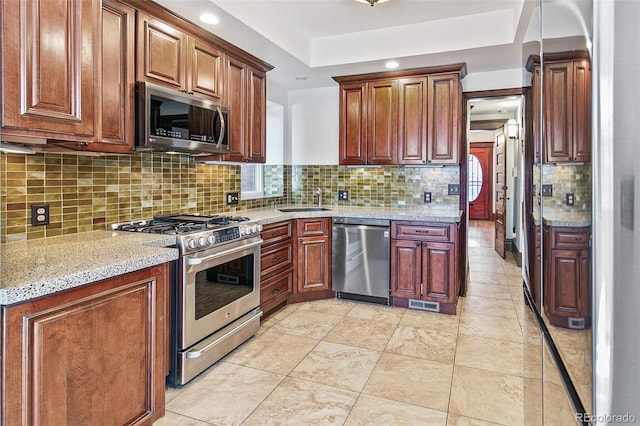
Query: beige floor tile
[[299, 402], [338, 365], [512, 269], [489, 290], [493, 260], [436, 345], [173, 419], [457, 420], [488, 277], [487, 396], [377, 313], [514, 279], [171, 393], [363, 333], [491, 327], [482, 251], [557, 408], [373, 411], [273, 351], [226, 395], [430, 320], [411, 380], [486, 267], [490, 306], [533, 406], [487, 354], [516, 293], [307, 323], [329, 306]]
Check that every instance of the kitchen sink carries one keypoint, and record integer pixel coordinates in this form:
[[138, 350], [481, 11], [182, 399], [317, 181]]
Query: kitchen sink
[[303, 209]]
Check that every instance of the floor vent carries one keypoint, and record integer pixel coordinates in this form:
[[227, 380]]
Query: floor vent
[[424, 306], [576, 323]]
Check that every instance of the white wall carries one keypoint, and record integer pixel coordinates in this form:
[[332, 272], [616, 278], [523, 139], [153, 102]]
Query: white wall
[[313, 125], [502, 79]]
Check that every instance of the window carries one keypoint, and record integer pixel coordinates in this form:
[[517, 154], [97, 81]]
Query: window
[[251, 181]]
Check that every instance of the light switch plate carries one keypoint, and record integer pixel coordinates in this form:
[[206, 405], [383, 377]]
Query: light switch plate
[[427, 197], [454, 189], [343, 195], [232, 198], [547, 190], [570, 199]]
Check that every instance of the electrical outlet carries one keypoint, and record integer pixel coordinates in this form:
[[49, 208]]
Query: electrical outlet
[[427, 197], [343, 195], [39, 214], [570, 199], [454, 189], [232, 198], [547, 190]]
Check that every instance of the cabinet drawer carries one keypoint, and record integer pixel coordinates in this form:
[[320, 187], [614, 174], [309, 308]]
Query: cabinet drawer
[[274, 232], [313, 227], [567, 238], [278, 285], [276, 258], [422, 231]]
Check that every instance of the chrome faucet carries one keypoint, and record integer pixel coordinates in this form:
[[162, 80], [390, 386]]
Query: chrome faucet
[[318, 192]]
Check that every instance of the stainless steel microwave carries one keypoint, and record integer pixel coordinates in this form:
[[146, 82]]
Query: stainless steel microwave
[[167, 120]]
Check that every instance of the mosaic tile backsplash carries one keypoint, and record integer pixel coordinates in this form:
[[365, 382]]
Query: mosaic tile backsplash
[[90, 193], [566, 178]]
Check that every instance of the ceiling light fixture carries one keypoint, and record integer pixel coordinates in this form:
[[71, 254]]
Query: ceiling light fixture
[[392, 64], [371, 2], [209, 18]]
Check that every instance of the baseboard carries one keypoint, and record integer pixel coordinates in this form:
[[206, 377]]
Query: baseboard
[[517, 255], [508, 244]]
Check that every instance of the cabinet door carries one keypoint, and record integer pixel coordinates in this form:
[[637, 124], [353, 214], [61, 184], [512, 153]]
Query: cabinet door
[[88, 354], [204, 69], [581, 111], [353, 128], [412, 120], [438, 272], [568, 289], [118, 79], [236, 95], [257, 113], [50, 71], [314, 264], [537, 137], [558, 112], [443, 105], [162, 53], [382, 129], [406, 268]]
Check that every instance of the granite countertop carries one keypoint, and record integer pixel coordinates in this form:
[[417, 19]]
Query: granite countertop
[[427, 214], [563, 219], [40, 267], [36, 268]]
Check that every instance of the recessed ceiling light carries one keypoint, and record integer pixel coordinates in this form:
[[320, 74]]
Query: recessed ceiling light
[[209, 18], [371, 2], [392, 64], [302, 77]]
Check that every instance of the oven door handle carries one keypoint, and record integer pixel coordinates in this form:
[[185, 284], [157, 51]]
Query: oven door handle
[[199, 260], [197, 353]]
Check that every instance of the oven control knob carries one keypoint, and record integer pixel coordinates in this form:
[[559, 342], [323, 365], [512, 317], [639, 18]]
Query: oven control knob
[[202, 241], [259, 228], [210, 239], [191, 244], [254, 229]]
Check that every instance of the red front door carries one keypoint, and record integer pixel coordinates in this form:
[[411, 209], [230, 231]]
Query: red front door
[[480, 179]]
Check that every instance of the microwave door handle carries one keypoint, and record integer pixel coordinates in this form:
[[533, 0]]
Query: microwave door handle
[[222, 127]]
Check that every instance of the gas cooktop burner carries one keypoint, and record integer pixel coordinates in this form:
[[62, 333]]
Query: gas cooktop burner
[[180, 224]]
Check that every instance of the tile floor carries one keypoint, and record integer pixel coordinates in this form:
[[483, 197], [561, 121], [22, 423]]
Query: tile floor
[[342, 362]]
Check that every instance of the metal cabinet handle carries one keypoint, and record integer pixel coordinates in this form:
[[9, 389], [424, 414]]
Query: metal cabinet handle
[[417, 244]]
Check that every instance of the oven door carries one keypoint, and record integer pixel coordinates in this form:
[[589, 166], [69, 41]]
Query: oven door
[[218, 286]]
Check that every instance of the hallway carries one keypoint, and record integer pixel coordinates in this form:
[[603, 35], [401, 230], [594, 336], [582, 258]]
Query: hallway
[[342, 362]]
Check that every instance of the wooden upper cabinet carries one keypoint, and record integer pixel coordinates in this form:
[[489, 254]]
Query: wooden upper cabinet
[[382, 121], [171, 58], [162, 53], [567, 111], [403, 117], [256, 115], [353, 124], [444, 110], [50, 71], [412, 120]]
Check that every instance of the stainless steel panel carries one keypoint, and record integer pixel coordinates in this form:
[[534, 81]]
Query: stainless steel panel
[[361, 259]]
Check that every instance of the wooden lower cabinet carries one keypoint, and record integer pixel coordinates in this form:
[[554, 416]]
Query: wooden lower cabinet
[[91, 355], [566, 276], [312, 260], [424, 264], [276, 266]]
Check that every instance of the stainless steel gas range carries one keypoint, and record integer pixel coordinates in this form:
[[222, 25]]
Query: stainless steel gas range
[[216, 290]]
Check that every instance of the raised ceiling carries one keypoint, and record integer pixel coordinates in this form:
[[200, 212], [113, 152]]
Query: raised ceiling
[[318, 39]]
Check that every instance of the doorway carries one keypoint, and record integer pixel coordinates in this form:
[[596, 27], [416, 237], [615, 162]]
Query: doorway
[[480, 177]]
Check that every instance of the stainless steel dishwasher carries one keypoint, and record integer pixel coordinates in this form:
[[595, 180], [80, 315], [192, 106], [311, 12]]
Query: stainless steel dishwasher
[[361, 259]]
